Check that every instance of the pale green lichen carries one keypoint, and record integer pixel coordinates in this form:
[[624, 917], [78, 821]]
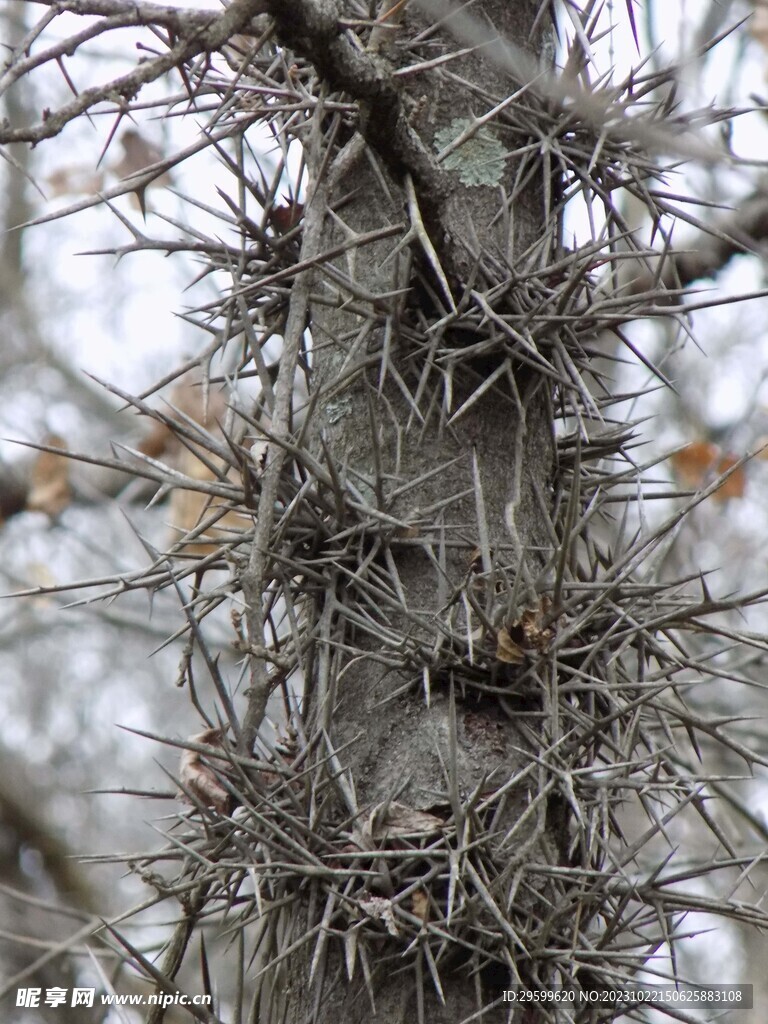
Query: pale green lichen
[[480, 160], [337, 409]]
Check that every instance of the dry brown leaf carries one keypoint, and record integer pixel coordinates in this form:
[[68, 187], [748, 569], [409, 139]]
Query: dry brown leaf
[[507, 650], [758, 24], [198, 779], [700, 462], [407, 532], [74, 180], [391, 820], [394, 820], [138, 154], [190, 508], [49, 490], [286, 216], [692, 463], [380, 909], [736, 484], [420, 905], [157, 442], [536, 634], [526, 634]]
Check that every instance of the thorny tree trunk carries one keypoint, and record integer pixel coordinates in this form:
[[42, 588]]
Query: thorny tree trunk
[[489, 682], [455, 497]]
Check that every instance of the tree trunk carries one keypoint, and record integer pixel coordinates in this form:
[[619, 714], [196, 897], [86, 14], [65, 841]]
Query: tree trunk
[[446, 550]]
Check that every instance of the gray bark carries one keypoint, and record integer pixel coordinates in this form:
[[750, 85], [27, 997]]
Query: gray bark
[[489, 494]]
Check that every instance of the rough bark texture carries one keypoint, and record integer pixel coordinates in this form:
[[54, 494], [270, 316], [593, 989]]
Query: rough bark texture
[[403, 739]]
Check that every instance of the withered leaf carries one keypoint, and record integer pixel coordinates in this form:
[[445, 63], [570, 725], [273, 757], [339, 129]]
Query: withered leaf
[[198, 780], [507, 650], [50, 490], [380, 909], [701, 462], [420, 905], [394, 820], [526, 634], [407, 532], [286, 216], [536, 634]]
